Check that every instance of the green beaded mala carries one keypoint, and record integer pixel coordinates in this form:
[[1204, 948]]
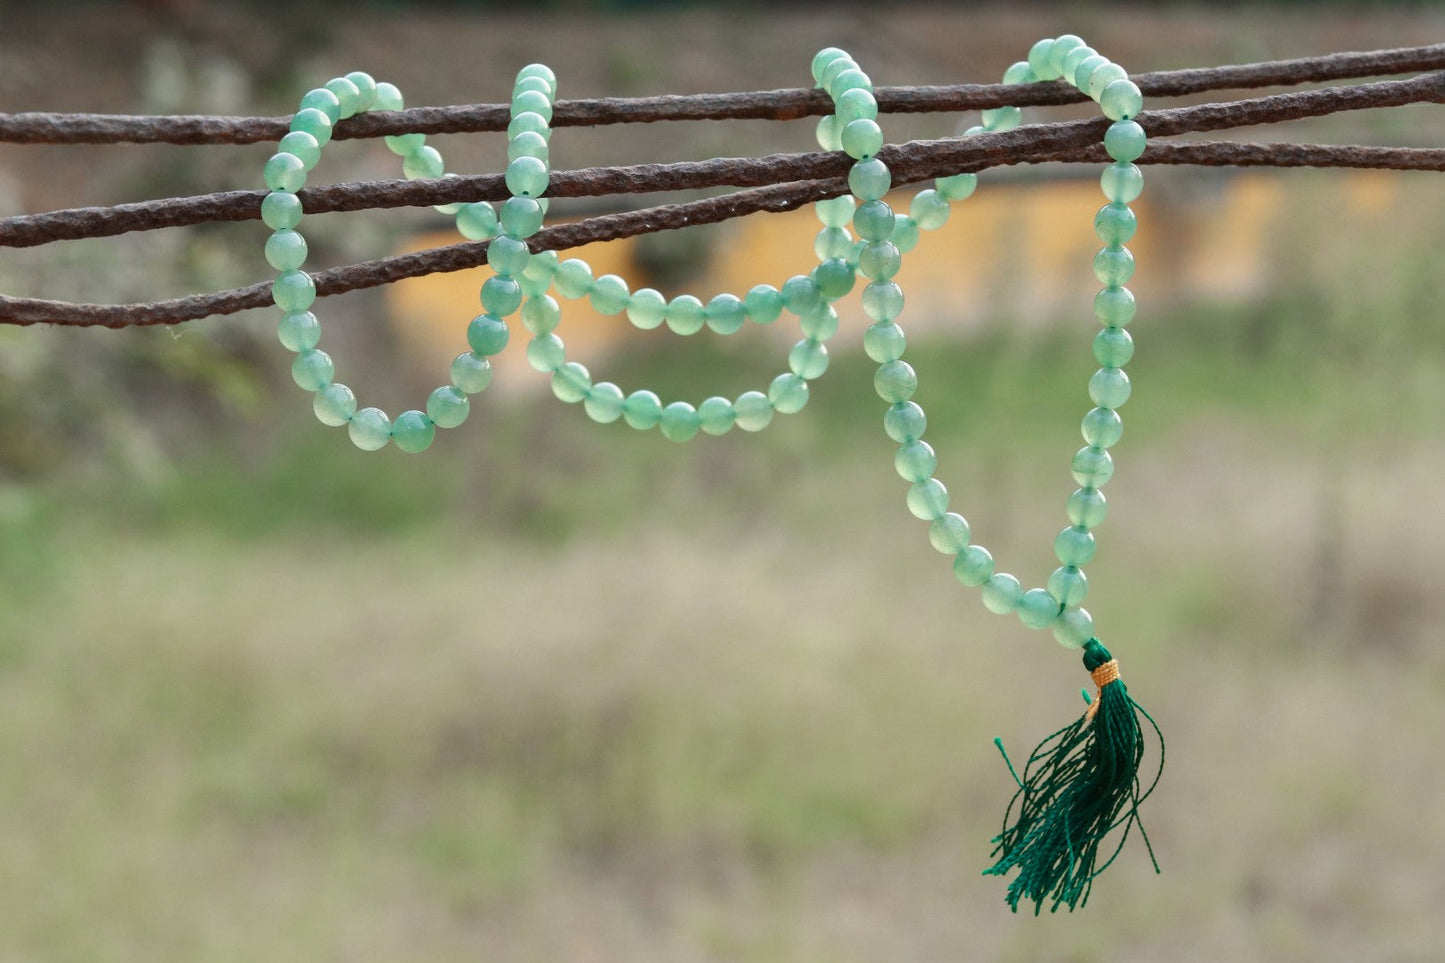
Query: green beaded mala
[[1081, 785]]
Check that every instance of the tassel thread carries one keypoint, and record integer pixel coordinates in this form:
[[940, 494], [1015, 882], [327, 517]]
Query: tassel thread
[[1078, 787]]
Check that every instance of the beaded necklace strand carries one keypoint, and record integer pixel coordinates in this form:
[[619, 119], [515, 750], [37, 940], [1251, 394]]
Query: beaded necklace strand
[[1082, 783]]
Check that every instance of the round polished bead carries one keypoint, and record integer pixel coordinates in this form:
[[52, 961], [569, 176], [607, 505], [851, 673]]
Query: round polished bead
[[915, 461], [861, 138], [423, 162], [1002, 118], [905, 234], [1074, 546], [788, 393], [1061, 48], [298, 331], [281, 211], [1002, 594], [679, 421], [869, 179], [528, 143], [1074, 628], [609, 294], [1102, 76], [948, 533], [604, 403], [1113, 347], [1038, 609], [541, 315], [1068, 584], [834, 278], [819, 323], [1114, 266], [1087, 507], [800, 294], [527, 176], [1039, 60], [904, 422], [387, 97], [928, 499], [334, 405], [1102, 427], [471, 372], [534, 102], [537, 278], [1109, 388], [365, 86], [686, 315], [957, 187], [895, 381], [487, 335], [882, 300], [716, 415], [528, 120], [1114, 306], [647, 308], [973, 566], [501, 296], [873, 220], [301, 145], [313, 370], [834, 68], [327, 101], [763, 303], [1121, 100], [808, 358], [447, 406], [1124, 140], [369, 429], [725, 314], [856, 104], [284, 172], [508, 256], [879, 261], [829, 133], [753, 411], [1069, 66], [521, 216], [1092, 467], [546, 353], [571, 382], [823, 58], [314, 122], [539, 84], [1122, 182], [835, 211], [846, 80], [1018, 72], [833, 242], [1115, 224], [884, 341], [539, 70], [413, 431], [573, 278], [929, 210], [642, 410], [293, 291], [477, 221]]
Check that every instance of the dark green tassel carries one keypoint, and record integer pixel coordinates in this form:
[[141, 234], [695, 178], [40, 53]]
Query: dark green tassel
[[1080, 785]]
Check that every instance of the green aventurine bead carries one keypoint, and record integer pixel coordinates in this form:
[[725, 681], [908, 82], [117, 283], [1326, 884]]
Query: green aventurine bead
[[604, 403], [1113, 265], [540, 315], [716, 416], [539, 70], [884, 341], [788, 393], [882, 300], [725, 314], [929, 210], [293, 291], [823, 58], [334, 405], [686, 315], [879, 261], [1002, 594], [1113, 347], [284, 172], [835, 211], [869, 179], [861, 138], [1061, 48], [1122, 182], [527, 176], [834, 278], [1039, 60], [895, 381], [281, 211], [642, 410], [764, 303], [833, 242], [1124, 140], [829, 133], [1121, 100], [573, 278], [1102, 76], [539, 84], [404, 145], [302, 145], [487, 335], [753, 410], [1075, 546], [508, 256], [905, 234], [1115, 224], [835, 67], [609, 294], [819, 323], [1102, 427], [1068, 584], [1085, 69], [973, 566], [948, 533], [546, 353], [800, 294], [1115, 306], [477, 221], [1038, 609], [521, 217], [387, 97], [528, 143], [679, 421], [856, 104], [808, 359], [501, 296], [323, 100], [1069, 66], [1092, 467], [1002, 118], [526, 120], [423, 163], [1109, 388], [847, 80], [904, 422], [369, 429], [299, 331], [1087, 508], [447, 406], [313, 122], [365, 86], [873, 221], [471, 372], [532, 102], [1074, 628], [413, 431], [1018, 72], [928, 499], [958, 187], [647, 308], [313, 370], [915, 461], [571, 382]]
